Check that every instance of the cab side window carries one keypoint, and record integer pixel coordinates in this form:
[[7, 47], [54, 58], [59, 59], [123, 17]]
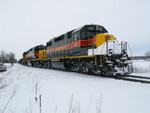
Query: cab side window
[[76, 37]]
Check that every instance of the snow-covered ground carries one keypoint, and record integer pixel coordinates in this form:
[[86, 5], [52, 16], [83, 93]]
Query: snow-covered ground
[[69, 92]]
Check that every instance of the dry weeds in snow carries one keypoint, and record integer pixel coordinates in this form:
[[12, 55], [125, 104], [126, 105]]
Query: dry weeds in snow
[[140, 69], [74, 106]]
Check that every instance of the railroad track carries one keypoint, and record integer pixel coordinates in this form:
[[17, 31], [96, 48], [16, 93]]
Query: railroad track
[[133, 78]]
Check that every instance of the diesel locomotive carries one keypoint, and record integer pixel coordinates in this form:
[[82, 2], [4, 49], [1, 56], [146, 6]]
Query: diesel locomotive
[[88, 49]]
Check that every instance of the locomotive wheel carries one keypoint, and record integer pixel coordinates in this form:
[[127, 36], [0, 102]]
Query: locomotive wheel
[[76, 68], [45, 65], [88, 70], [37, 64], [34, 64], [49, 65], [85, 69]]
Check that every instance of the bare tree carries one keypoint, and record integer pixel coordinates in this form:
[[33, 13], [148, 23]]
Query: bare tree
[[11, 57], [147, 54], [7, 57], [3, 56]]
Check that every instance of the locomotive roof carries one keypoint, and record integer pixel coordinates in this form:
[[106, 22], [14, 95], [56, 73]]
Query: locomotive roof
[[75, 30], [80, 28]]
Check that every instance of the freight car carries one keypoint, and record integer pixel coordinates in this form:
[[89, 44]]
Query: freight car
[[88, 49]]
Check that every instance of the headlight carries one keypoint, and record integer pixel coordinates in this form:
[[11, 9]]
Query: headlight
[[117, 60], [110, 51], [110, 64], [124, 51], [108, 61]]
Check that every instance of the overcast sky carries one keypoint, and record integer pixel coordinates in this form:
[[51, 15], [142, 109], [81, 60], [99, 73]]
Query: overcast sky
[[27, 23]]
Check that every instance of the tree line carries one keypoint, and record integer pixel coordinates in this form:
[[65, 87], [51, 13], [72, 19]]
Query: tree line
[[7, 57], [142, 57]]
